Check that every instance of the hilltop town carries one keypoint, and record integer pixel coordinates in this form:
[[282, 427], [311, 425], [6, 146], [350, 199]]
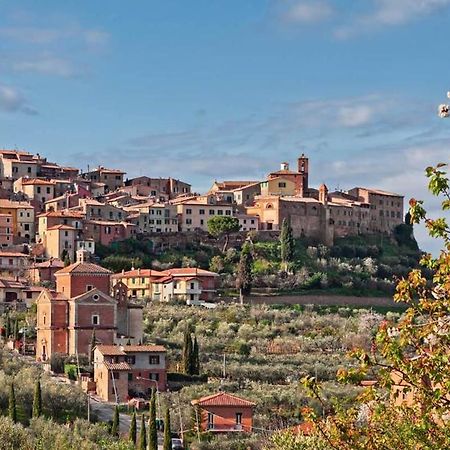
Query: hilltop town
[[87, 282]]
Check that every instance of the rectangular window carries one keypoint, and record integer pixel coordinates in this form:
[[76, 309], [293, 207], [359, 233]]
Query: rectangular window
[[228, 213], [281, 185], [130, 377], [188, 221], [211, 212], [131, 359], [38, 189], [201, 212], [238, 418], [188, 211], [220, 212], [153, 359], [95, 319]]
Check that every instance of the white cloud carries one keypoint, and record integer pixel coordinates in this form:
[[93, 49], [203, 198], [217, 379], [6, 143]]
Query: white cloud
[[385, 13], [12, 100], [46, 65], [355, 115], [43, 36], [307, 11]]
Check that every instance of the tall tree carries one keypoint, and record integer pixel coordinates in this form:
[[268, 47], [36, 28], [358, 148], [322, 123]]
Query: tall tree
[[219, 226], [12, 409], [132, 434], [93, 344], [152, 432], [244, 277], [187, 352], [8, 330], [37, 399], [142, 443], [167, 444], [16, 329], [287, 244], [116, 423], [195, 357]]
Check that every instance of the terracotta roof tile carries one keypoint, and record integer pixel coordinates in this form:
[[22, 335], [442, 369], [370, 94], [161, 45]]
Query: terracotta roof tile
[[222, 399], [83, 267], [110, 350], [117, 366]]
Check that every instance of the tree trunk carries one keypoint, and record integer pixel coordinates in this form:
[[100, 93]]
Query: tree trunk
[[225, 245]]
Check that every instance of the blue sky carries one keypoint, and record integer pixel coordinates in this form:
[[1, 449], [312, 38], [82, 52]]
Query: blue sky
[[206, 90]]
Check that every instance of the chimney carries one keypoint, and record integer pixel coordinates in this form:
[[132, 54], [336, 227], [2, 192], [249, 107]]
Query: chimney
[[284, 166]]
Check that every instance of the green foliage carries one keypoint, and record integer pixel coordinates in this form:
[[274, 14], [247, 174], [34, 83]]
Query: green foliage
[[12, 409], [223, 226], [117, 263], [152, 431], [167, 443], [37, 399], [195, 357], [188, 365], [142, 441], [244, 277], [71, 371], [410, 358], [116, 423], [132, 435], [287, 243]]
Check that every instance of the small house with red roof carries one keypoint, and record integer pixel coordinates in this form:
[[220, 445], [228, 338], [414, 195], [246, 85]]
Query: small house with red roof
[[224, 413]]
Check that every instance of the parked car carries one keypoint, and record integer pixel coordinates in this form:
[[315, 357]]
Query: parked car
[[177, 444]]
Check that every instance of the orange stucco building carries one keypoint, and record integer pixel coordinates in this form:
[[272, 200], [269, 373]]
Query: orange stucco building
[[223, 413]]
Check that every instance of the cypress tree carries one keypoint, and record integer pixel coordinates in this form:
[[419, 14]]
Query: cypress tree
[[8, 327], [244, 276], [195, 357], [16, 329], [152, 432], [287, 244], [142, 444], [132, 434], [93, 344], [12, 410], [167, 445], [187, 353], [37, 399], [116, 423]]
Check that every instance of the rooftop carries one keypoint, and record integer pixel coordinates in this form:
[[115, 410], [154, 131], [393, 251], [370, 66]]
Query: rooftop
[[84, 268], [222, 399]]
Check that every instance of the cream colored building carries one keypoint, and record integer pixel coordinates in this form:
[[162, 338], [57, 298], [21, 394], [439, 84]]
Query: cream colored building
[[153, 217], [195, 213], [36, 190], [59, 238], [22, 214]]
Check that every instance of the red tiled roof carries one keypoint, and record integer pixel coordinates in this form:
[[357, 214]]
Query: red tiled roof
[[83, 267], [117, 366], [222, 399], [144, 348], [61, 227], [13, 254], [38, 181], [189, 272], [140, 273], [110, 350], [121, 350], [50, 263]]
